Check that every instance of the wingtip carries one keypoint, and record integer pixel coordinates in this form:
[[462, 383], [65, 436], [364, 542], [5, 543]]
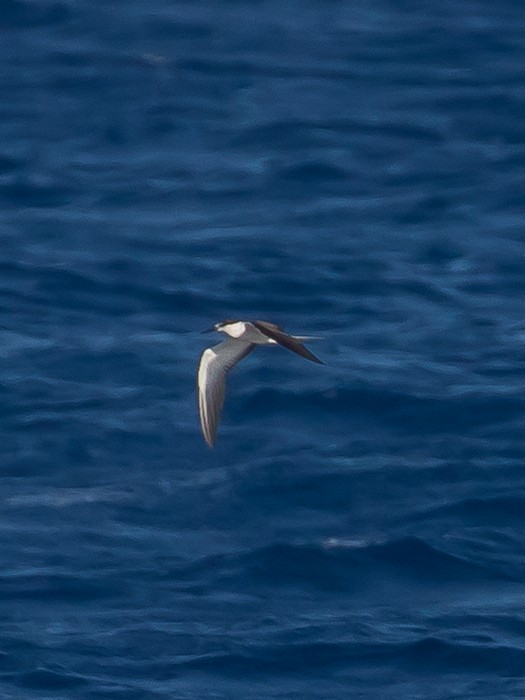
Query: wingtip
[[308, 355], [209, 438]]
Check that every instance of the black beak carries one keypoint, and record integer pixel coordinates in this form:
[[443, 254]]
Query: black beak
[[209, 330]]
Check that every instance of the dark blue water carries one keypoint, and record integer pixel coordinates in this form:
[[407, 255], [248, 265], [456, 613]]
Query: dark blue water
[[349, 170]]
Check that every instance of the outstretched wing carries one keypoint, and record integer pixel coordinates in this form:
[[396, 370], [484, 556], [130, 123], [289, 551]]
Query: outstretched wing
[[287, 341], [214, 364]]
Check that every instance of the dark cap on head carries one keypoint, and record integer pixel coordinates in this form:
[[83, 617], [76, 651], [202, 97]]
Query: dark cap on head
[[224, 323]]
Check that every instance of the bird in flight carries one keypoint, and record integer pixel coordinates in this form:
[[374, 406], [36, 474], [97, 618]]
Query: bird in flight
[[215, 363]]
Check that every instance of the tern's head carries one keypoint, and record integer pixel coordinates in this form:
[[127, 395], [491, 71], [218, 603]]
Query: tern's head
[[222, 326]]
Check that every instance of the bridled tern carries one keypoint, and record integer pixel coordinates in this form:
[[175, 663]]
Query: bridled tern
[[215, 363]]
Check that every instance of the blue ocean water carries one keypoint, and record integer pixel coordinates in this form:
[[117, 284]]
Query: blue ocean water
[[348, 170]]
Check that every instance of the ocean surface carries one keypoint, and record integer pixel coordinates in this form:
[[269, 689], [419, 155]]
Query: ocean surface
[[348, 170]]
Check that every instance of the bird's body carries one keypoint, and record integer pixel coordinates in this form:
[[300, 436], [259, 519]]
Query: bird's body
[[215, 362]]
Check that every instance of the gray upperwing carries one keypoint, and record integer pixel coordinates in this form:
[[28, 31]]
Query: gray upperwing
[[214, 364], [287, 341]]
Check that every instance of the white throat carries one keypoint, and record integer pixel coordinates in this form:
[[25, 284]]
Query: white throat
[[235, 330]]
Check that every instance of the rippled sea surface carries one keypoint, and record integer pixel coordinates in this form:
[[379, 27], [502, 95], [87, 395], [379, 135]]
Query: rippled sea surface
[[348, 170]]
